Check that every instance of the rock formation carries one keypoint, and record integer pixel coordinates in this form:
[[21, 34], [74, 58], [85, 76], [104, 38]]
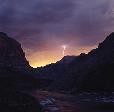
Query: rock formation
[[11, 54], [87, 72]]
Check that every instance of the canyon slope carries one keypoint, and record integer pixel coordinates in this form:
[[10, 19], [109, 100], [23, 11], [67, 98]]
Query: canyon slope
[[87, 72]]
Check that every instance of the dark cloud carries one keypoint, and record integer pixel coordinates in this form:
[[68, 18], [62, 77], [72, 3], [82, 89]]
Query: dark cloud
[[43, 23]]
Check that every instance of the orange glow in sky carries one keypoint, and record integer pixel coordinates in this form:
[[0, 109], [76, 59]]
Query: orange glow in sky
[[38, 59]]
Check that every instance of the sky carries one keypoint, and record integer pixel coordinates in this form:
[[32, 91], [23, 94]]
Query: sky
[[44, 26]]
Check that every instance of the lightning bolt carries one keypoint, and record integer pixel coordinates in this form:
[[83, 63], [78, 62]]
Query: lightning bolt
[[64, 48]]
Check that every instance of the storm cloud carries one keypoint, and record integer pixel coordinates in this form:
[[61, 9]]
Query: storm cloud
[[41, 24]]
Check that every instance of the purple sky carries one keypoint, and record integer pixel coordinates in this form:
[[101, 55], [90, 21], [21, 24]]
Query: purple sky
[[44, 25]]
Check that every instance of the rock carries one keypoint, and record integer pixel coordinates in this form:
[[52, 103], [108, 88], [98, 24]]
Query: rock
[[11, 101], [87, 72], [67, 60], [15, 71], [94, 72], [56, 70], [11, 54]]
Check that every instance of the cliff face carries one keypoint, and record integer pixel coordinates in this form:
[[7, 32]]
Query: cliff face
[[11, 54], [87, 72], [15, 77], [57, 70], [97, 70], [15, 71]]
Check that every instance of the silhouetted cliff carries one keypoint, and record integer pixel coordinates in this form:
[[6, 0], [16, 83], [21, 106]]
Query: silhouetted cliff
[[11, 54], [15, 71], [16, 76], [87, 72]]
